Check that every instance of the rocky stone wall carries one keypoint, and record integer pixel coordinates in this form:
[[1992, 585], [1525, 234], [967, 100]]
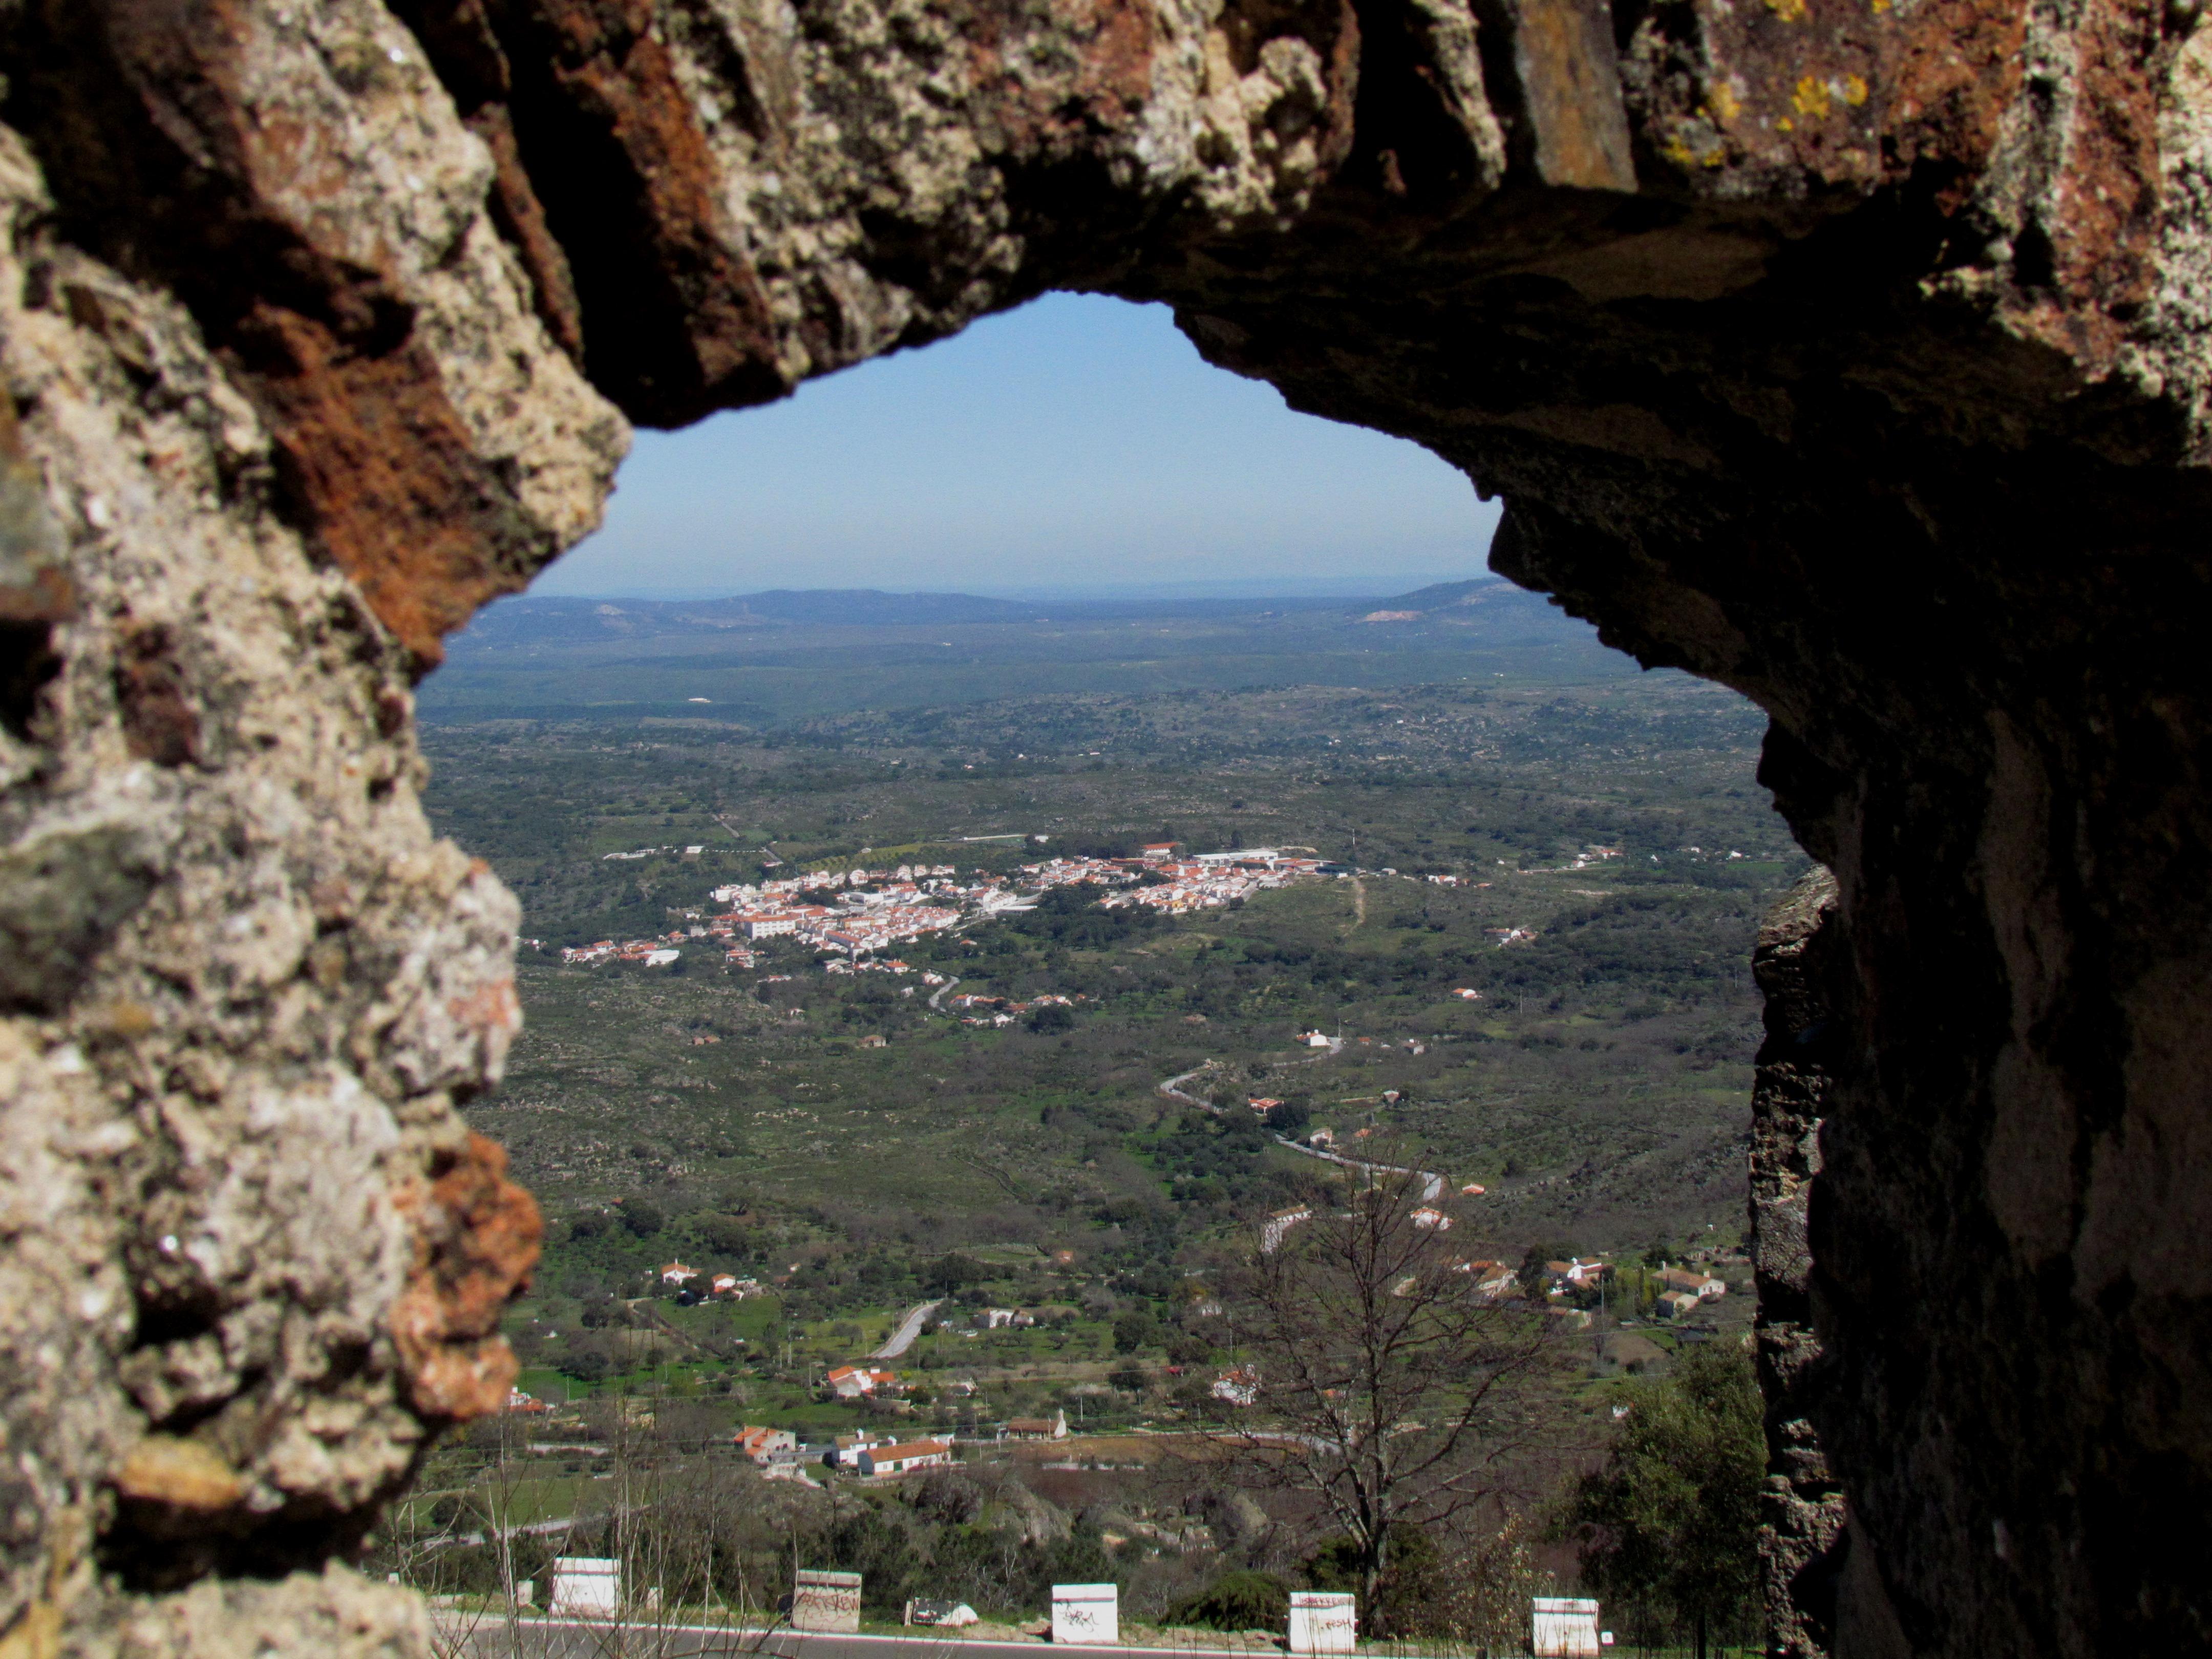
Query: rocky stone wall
[[1803, 1542], [1852, 352]]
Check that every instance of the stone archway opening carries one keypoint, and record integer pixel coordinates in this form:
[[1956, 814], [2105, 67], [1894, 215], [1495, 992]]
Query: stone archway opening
[[1850, 356]]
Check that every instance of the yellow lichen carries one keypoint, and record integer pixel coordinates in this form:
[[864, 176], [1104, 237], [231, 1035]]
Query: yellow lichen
[[1785, 125], [1811, 98], [179, 1475], [1726, 105], [1855, 90], [1790, 11]]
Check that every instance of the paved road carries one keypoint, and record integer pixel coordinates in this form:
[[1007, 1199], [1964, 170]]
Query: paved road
[[1173, 1087], [1432, 1185], [491, 1638], [909, 1327], [942, 989]]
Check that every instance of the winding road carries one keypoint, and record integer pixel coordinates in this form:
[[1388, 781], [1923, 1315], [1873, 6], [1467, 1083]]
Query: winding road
[[909, 1327], [1173, 1087], [1432, 1184]]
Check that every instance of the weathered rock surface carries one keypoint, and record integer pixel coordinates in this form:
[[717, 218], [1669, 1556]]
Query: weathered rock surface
[[1802, 1518], [1851, 351]]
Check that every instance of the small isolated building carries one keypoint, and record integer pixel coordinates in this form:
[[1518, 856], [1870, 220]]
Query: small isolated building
[[1238, 1386], [851, 1381], [677, 1274], [1676, 1305], [1494, 1281], [763, 1444], [1432, 1217], [1702, 1286], [1273, 1230], [1038, 1428]]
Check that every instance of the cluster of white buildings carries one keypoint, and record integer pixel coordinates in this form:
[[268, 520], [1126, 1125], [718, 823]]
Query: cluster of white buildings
[[1003, 1011], [877, 910], [679, 1276], [1210, 879], [652, 952], [872, 910]]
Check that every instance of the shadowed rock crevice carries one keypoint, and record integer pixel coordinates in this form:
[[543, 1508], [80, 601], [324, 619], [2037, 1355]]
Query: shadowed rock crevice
[[1855, 356]]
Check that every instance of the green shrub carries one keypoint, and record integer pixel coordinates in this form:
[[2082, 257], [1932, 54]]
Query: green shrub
[[1237, 1601]]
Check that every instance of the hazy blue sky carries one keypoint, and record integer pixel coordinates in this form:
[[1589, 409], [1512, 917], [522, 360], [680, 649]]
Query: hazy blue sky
[[1077, 444]]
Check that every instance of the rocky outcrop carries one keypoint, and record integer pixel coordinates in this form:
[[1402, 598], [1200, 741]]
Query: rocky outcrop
[[1851, 352], [1802, 1543]]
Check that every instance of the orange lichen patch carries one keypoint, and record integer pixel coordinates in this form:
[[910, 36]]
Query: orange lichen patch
[[384, 472], [611, 194], [380, 472], [179, 1474], [2104, 223], [520, 218], [477, 1237]]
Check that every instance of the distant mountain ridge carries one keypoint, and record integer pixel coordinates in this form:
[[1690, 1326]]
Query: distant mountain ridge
[[527, 618]]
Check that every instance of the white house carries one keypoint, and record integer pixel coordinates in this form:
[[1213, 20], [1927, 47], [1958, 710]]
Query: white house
[[844, 1451], [1276, 1225], [761, 1445], [905, 1457], [1239, 1386], [677, 1274], [851, 1381], [1702, 1286]]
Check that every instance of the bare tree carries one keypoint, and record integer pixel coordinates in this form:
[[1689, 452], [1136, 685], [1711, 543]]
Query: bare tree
[[1378, 1381]]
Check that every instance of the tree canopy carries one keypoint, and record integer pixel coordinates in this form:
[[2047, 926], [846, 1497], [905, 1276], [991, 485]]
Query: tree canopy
[[1668, 1525]]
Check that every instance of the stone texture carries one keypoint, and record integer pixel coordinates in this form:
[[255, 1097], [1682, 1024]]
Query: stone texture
[[1852, 352], [1802, 1544]]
